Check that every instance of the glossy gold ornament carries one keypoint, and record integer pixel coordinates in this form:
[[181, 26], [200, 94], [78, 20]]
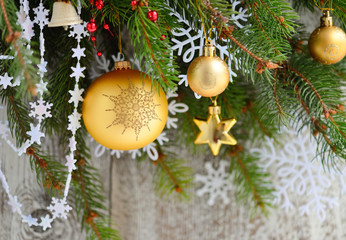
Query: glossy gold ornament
[[208, 75], [122, 110], [214, 131], [327, 43]]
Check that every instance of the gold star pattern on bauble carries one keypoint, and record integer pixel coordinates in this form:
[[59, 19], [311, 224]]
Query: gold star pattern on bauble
[[214, 131], [134, 108]]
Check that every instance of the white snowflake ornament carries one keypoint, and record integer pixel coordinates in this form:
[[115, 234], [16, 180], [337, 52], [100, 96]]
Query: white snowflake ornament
[[216, 183], [79, 31], [29, 220], [76, 96], [59, 208], [46, 222], [70, 163], [4, 130], [73, 122], [77, 71], [78, 52], [41, 17], [40, 110], [41, 87], [35, 133], [6, 81], [13, 202], [299, 174]]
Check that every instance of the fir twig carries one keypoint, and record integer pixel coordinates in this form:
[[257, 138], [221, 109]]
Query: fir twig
[[12, 38], [252, 183]]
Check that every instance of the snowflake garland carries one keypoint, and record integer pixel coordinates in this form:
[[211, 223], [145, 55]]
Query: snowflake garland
[[60, 207], [216, 183], [41, 110]]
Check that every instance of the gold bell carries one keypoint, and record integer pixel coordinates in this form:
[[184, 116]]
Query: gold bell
[[64, 14]]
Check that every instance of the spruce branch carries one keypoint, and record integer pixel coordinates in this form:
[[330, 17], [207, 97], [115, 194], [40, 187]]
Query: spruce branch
[[49, 173], [251, 181], [12, 38], [324, 107], [226, 31], [172, 175]]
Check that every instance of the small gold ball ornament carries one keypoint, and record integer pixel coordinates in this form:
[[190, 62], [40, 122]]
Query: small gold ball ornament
[[122, 110], [208, 75], [327, 43]]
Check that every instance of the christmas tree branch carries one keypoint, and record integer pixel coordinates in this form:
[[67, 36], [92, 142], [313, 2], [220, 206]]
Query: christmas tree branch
[[46, 170], [152, 53], [257, 198], [171, 175], [12, 38], [278, 105], [251, 181], [249, 107], [90, 214], [324, 107], [227, 32]]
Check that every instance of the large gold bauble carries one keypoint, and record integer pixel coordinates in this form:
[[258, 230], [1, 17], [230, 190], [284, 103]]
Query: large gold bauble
[[208, 75], [327, 43], [122, 110]]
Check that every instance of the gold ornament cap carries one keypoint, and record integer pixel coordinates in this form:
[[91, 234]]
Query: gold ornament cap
[[326, 19], [122, 65], [209, 50], [214, 110]]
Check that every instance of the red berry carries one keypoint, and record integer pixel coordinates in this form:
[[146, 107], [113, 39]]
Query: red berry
[[133, 3], [153, 16], [93, 38], [99, 54], [91, 26], [106, 26], [163, 37], [99, 4]]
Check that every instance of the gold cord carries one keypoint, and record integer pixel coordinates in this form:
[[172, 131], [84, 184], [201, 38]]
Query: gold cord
[[324, 9]]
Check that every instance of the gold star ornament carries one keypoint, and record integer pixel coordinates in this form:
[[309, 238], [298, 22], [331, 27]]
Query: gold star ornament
[[214, 131]]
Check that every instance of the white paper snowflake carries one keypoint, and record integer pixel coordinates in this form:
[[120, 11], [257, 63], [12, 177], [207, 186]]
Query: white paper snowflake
[[59, 208], [79, 31], [77, 71], [298, 173], [74, 121], [40, 109], [76, 96], [41, 87], [6, 81], [41, 17], [216, 183], [4, 130], [46, 222], [29, 220], [13, 202], [70, 162], [103, 65], [35, 133], [25, 22]]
